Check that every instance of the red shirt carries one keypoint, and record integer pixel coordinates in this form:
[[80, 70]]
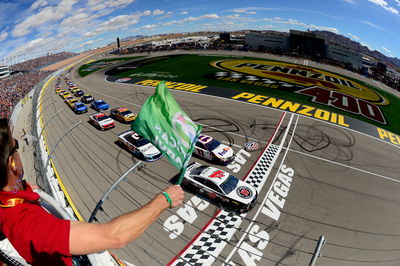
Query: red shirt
[[38, 236]]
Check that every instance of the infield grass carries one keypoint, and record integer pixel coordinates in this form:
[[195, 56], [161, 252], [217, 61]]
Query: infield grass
[[196, 69], [89, 68]]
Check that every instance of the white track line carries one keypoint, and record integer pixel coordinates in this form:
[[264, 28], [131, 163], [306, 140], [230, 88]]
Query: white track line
[[343, 165], [226, 262]]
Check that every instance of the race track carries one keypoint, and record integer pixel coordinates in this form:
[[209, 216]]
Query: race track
[[343, 185]]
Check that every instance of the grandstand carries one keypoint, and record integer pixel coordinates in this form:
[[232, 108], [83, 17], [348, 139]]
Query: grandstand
[[4, 72]]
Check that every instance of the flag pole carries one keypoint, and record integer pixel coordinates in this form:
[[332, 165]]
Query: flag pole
[[183, 169]]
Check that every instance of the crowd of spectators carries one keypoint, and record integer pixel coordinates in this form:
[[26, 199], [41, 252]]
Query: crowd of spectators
[[15, 87], [41, 62], [25, 76]]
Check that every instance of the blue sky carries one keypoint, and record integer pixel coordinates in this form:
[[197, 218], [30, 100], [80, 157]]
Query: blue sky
[[31, 27]]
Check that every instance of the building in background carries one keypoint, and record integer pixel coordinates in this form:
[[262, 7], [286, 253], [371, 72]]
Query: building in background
[[306, 44], [344, 55], [267, 42]]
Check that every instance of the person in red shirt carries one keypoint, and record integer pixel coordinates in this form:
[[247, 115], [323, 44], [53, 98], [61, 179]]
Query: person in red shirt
[[41, 238]]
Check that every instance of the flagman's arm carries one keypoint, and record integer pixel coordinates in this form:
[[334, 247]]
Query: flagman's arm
[[88, 238]]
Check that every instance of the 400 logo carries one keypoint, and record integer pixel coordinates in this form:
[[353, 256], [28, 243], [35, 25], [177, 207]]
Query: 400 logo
[[324, 87]]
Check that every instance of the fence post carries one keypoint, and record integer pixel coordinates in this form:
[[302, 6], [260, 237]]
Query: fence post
[[107, 193], [317, 250], [58, 141], [41, 132]]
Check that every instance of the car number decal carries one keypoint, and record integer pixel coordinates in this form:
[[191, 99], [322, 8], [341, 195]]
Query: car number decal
[[244, 192], [217, 174], [205, 139]]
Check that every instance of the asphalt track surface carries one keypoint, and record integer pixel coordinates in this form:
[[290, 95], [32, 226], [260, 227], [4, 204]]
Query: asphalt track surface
[[345, 184]]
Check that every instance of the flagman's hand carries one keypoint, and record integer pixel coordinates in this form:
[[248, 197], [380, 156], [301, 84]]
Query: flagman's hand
[[176, 195]]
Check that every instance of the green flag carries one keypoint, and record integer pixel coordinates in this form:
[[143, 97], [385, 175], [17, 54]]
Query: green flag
[[166, 125]]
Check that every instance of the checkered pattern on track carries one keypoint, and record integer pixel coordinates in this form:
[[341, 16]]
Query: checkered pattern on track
[[260, 171], [209, 244]]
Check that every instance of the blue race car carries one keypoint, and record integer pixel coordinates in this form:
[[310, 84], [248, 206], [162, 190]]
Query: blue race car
[[99, 105], [79, 108]]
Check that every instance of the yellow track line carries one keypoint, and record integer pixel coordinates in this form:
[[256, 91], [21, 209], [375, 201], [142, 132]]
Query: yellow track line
[[71, 203]]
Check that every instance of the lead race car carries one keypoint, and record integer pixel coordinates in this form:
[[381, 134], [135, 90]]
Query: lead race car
[[220, 187], [211, 149], [139, 146]]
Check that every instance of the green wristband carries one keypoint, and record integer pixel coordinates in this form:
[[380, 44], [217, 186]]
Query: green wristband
[[168, 198]]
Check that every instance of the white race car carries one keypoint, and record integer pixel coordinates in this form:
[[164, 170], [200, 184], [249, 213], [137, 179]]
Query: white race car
[[139, 146], [220, 186], [211, 149], [101, 121]]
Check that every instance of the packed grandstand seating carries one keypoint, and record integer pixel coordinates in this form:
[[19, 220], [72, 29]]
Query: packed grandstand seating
[[14, 87], [41, 62], [26, 75]]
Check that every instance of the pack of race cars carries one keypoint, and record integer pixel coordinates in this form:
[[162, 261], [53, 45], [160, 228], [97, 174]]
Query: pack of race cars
[[209, 182]]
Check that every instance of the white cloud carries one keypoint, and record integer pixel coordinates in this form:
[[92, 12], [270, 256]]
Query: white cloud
[[103, 4], [32, 45], [167, 15], [174, 22], [158, 12], [3, 35], [294, 22], [47, 14], [75, 20], [239, 10], [185, 12], [147, 13], [386, 50], [234, 16], [371, 24], [244, 11], [149, 27], [88, 43], [354, 37], [38, 3], [115, 23], [398, 2], [392, 9], [384, 4], [350, 1], [213, 16]]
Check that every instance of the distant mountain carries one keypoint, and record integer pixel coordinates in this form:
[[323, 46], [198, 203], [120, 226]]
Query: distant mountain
[[348, 43], [130, 38]]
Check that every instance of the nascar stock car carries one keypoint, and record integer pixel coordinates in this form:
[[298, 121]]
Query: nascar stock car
[[101, 121], [79, 108], [58, 90], [139, 146], [68, 98], [212, 150], [62, 93], [71, 102], [77, 92], [122, 115], [99, 105], [87, 98], [220, 187]]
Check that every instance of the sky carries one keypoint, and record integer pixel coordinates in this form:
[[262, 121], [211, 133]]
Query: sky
[[29, 28]]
